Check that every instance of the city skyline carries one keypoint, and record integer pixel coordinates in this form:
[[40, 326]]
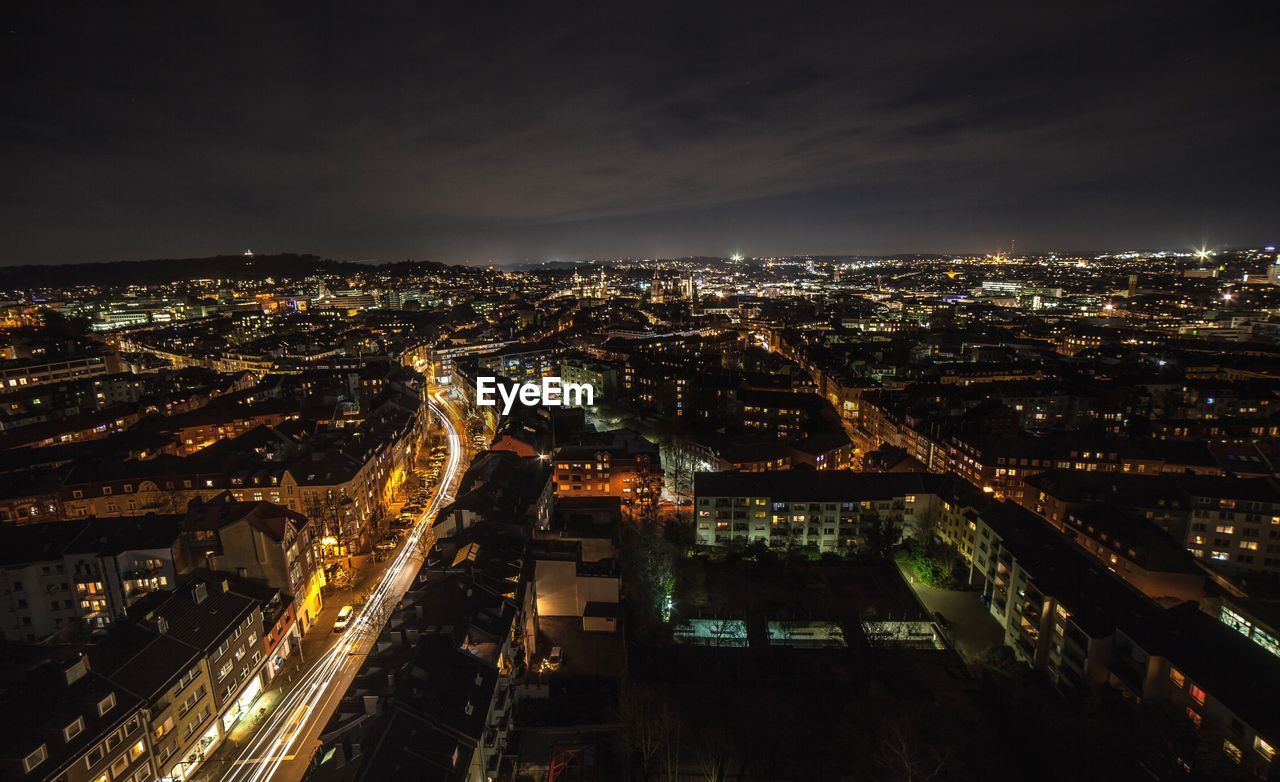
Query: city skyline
[[873, 392]]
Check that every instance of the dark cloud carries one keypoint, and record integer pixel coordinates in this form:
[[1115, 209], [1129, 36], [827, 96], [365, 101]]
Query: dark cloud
[[480, 131]]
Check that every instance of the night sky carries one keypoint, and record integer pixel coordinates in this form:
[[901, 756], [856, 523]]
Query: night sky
[[477, 131]]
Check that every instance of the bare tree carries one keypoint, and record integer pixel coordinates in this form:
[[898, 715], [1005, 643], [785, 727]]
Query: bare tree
[[715, 752], [904, 757], [641, 714], [728, 632], [334, 513], [653, 729], [680, 463]]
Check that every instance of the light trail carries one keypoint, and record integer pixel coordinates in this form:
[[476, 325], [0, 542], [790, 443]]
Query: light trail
[[276, 739]]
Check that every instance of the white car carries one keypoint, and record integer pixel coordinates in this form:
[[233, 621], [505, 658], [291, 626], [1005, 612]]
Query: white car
[[555, 658], [344, 618]]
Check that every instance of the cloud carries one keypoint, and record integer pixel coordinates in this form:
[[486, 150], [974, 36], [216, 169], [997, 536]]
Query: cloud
[[602, 129]]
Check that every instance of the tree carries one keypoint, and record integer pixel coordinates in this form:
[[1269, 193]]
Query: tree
[[728, 632], [60, 326], [880, 536], [652, 729], [334, 513], [680, 462], [650, 566], [715, 752], [425, 541], [680, 533], [903, 755]]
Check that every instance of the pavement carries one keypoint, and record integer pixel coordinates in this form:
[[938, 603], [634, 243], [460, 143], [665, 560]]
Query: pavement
[[973, 629]]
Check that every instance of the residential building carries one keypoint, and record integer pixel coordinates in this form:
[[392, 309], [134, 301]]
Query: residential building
[[263, 542], [84, 573], [827, 510], [619, 463], [64, 722]]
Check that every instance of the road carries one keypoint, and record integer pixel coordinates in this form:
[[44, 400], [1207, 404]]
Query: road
[[281, 748]]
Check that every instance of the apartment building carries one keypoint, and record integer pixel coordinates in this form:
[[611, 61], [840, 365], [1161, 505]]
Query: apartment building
[[822, 509], [263, 542], [89, 571], [170, 678], [200, 428], [619, 463], [1217, 683], [499, 487], [521, 361], [1139, 552], [1159, 499], [602, 377], [61, 721], [342, 478], [1235, 523], [224, 627], [1004, 462], [36, 371], [1057, 605]]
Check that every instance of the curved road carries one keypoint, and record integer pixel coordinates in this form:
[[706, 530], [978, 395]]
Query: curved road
[[282, 746]]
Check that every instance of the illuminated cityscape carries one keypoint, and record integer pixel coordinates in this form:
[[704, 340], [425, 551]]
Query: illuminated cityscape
[[640, 393]]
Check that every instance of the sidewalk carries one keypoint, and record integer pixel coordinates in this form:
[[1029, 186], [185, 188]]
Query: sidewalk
[[973, 629]]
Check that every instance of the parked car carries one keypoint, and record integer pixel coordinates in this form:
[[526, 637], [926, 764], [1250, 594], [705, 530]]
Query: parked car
[[555, 658], [344, 618]]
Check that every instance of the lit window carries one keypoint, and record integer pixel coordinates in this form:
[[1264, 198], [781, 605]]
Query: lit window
[[1177, 678], [1197, 694], [1264, 749], [1232, 751]]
